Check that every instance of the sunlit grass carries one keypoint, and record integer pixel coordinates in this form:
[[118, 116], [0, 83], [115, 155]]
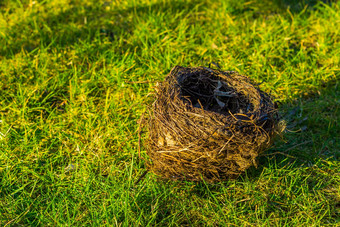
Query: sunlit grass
[[74, 79]]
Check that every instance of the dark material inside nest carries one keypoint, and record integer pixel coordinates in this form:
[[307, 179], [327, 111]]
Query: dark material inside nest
[[203, 89]]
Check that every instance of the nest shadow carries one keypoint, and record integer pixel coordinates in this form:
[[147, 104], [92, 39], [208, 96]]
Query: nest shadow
[[208, 124]]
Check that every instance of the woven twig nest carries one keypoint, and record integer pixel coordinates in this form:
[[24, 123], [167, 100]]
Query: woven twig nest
[[208, 124]]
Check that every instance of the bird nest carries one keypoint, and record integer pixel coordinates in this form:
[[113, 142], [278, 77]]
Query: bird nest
[[207, 124]]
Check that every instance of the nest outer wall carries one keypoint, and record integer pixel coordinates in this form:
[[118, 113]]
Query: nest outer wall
[[207, 124]]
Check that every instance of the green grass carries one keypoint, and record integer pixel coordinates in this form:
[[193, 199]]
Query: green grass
[[69, 105]]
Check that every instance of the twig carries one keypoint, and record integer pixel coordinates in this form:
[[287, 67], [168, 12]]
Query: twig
[[291, 148], [279, 153], [242, 200], [141, 177], [141, 120], [140, 82]]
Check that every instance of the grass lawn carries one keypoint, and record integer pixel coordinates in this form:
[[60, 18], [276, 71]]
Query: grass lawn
[[74, 79]]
